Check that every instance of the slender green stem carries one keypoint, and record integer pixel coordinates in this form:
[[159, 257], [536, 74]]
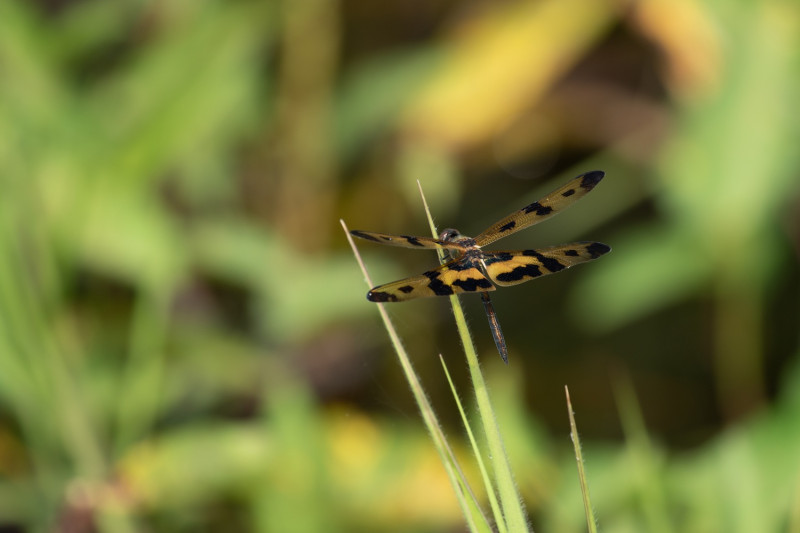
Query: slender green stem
[[513, 510], [490, 492], [476, 521], [591, 522], [513, 515]]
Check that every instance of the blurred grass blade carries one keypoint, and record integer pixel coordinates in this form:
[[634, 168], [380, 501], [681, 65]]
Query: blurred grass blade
[[645, 461], [591, 521], [290, 416]]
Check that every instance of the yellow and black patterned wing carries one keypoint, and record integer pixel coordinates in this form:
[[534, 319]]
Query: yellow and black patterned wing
[[553, 203], [512, 268], [406, 241], [451, 278]]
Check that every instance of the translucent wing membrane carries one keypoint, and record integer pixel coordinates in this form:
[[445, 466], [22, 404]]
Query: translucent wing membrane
[[553, 203], [451, 278], [407, 241], [508, 268]]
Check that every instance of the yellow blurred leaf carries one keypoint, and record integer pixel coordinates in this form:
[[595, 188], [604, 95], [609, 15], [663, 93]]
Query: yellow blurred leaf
[[501, 63], [687, 33]]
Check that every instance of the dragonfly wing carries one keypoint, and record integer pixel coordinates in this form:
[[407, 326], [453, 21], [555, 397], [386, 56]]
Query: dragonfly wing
[[451, 278], [407, 241], [553, 203], [514, 267]]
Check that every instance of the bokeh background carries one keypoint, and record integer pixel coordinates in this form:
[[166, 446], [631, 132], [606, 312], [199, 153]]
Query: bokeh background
[[184, 339]]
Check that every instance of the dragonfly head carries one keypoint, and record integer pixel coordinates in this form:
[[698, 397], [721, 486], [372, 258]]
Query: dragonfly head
[[450, 235]]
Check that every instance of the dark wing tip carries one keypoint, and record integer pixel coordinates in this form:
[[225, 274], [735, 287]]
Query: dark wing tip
[[377, 296], [596, 249], [592, 178]]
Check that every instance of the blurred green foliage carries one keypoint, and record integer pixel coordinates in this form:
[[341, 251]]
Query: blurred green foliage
[[184, 340]]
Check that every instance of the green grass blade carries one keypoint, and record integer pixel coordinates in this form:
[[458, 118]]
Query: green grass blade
[[513, 511], [454, 472], [487, 481], [591, 521]]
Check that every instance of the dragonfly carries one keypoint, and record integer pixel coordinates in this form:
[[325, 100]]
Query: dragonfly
[[470, 268]]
